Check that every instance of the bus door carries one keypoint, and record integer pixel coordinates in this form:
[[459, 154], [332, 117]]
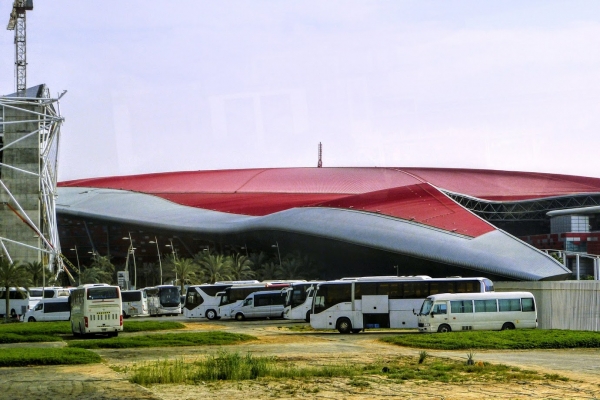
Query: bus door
[[376, 312]]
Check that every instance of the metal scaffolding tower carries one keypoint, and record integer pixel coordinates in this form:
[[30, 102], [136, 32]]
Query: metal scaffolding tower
[[29, 138]]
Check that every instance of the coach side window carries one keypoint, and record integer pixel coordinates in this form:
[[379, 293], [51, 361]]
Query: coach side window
[[528, 304]]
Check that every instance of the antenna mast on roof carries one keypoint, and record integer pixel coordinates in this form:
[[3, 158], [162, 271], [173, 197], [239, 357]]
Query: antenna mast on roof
[[17, 23], [320, 163]]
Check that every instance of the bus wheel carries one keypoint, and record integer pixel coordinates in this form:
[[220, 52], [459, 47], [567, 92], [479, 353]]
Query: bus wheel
[[125, 316], [31, 319], [239, 316], [113, 334], [13, 314], [444, 328], [344, 325], [307, 319], [507, 326], [211, 314]]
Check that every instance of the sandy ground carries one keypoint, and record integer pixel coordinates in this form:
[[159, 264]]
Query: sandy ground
[[103, 382]]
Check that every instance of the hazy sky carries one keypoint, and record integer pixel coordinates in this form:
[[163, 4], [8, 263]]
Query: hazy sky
[[190, 85]]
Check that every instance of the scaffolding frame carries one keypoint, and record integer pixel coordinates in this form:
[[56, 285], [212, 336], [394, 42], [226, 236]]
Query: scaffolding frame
[[44, 112]]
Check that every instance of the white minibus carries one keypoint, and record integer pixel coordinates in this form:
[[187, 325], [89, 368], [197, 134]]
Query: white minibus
[[355, 304], [235, 295], [96, 308], [478, 311], [135, 303], [54, 309], [262, 304]]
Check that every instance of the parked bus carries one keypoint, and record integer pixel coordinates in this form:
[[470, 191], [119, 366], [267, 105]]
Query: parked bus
[[163, 300], [52, 292], [234, 296], [360, 303], [202, 301], [96, 308], [135, 303], [18, 302], [52, 309], [298, 300], [478, 311], [261, 304]]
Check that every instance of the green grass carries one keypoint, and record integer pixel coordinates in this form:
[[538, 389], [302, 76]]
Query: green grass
[[19, 357], [52, 331], [164, 340], [500, 340], [233, 366], [140, 326]]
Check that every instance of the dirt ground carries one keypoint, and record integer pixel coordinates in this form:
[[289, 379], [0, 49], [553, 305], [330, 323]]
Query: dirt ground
[[93, 382]]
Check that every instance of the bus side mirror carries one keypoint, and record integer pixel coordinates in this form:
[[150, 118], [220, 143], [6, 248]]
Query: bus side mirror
[[414, 313]]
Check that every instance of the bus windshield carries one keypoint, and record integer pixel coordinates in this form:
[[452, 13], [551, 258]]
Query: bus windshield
[[295, 296], [169, 297], [426, 307]]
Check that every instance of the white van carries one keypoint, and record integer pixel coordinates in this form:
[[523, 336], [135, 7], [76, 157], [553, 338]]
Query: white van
[[264, 304], [478, 311], [56, 309]]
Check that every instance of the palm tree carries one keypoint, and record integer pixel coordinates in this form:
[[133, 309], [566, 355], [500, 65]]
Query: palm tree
[[215, 267], [185, 270], [291, 268], [40, 275], [257, 259], [94, 275], [240, 267], [12, 274], [269, 271], [103, 263]]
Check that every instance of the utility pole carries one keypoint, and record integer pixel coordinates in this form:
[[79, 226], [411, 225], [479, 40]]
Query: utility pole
[[17, 23]]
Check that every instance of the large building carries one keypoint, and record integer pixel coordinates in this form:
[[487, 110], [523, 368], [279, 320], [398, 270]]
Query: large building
[[355, 221]]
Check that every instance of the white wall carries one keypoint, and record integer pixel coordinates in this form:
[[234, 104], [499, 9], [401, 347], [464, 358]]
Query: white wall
[[573, 305]]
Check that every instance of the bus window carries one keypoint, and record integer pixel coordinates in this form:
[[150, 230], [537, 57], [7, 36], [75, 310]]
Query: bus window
[[509, 305], [528, 304], [486, 306], [468, 287], [439, 308], [441, 287], [101, 293], [461, 306], [330, 295], [364, 288]]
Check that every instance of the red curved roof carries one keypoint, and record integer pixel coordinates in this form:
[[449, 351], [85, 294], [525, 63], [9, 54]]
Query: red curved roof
[[408, 193]]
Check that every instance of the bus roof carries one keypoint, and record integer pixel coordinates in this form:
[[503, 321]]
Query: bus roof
[[478, 296]]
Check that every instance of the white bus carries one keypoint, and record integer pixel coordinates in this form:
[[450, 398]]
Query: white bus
[[298, 300], [48, 292], [201, 301], [478, 311], [96, 308], [370, 302], [235, 295], [18, 302], [135, 303], [163, 300]]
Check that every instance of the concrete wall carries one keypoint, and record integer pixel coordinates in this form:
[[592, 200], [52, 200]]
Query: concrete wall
[[573, 305], [24, 187]]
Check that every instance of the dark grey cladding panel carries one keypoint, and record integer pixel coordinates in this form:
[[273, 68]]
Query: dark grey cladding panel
[[495, 253]]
